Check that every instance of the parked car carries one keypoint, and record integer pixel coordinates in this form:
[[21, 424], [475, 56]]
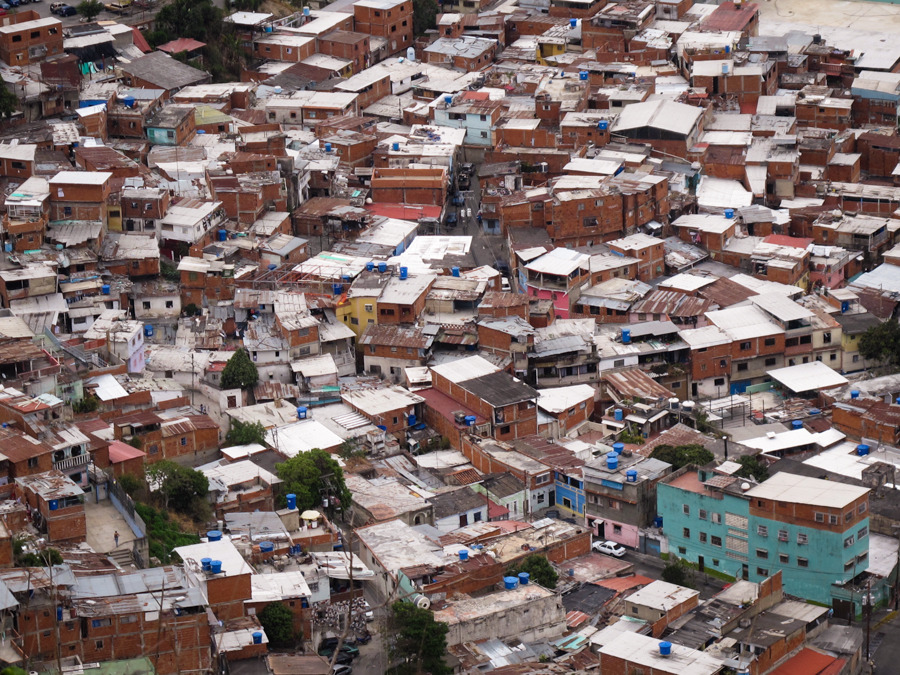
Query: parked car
[[14, 3], [62, 9], [452, 219], [367, 611], [342, 670], [4, 5], [349, 650], [609, 548]]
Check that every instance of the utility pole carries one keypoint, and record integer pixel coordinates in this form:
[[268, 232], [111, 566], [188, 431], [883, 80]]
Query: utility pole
[[868, 601], [192, 380]]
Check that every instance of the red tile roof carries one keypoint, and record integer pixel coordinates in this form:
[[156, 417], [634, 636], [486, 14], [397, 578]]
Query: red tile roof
[[496, 510], [121, 452], [140, 41], [808, 662], [624, 583], [728, 17], [785, 240], [181, 45]]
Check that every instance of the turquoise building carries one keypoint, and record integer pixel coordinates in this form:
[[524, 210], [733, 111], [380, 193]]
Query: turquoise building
[[815, 531]]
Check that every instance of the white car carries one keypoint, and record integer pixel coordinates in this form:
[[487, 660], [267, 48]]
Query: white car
[[367, 611], [609, 548]]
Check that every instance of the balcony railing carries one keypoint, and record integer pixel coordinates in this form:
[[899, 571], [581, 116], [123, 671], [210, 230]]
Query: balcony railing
[[70, 463]]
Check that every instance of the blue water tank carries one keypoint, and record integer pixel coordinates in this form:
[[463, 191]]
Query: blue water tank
[[301, 412], [412, 420], [54, 504], [626, 336], [328, 147], [448, 99], [382, 427], [214, 535], [337, 288], [205, 563], [862, 450], [404, 273], [395, 147], [612, 461], [454, 271], [665, 648], [7, 247], [583, 75], [729, 213], [59, 612], [306, 11], [797, 424], [223, 235], [463, 555], [257, 637], [105, 289], [727, 49], [292, 501], [631, 475], [382, 267], [524, 578], [346, 278], [814, 411], [603, 125], [845, 307], [854, 393], [215, 566], [272, 266], [618, 448], [370, 266], [268, 29], [618, 415], [470, 420], [128, 101], [148, 330], [573, 23], [510, 583], [658, 521], [266, 547]]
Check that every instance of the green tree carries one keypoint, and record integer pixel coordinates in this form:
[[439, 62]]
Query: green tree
[[278, 622], [240, 372], [682, 455], [246, 433], [12, 670], [198, 19], [751, 467], [9, 102], [420, 643], [89, 9], [881, 343], [424, 16], [130, 483], [43, 558], [312, 475], [678, 572], [181, 488], [539, 569]]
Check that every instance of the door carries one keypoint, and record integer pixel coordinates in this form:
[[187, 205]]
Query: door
[[700, 563], [745, 571]]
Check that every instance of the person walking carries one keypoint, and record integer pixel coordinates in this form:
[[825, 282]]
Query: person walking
[[116, 537]]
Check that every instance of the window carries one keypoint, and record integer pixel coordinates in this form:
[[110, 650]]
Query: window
[[802, 562], [741, 367], [863, 531], [368, 308], [717, 518], [685, 509], [617, 529], [146, 304], [682, 550], [832, 519], [784, 558], [170, 304], [849, 541], [745, 346], [762, 553], [820, 517], [543, 478], [16, 38], [862, 508], [848, 516], [770, 342], [702, 514], [848, 566], [32, 462], [100, 623], [762, 572], [770, 362], [183, 441], [762, 530], [686, 532], [98, 644], [782, 535], [715, 541], [826, 338], [802, 539], [702, 536]]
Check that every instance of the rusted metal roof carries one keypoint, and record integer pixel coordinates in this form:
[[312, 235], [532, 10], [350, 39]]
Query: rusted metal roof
[[634, 383]]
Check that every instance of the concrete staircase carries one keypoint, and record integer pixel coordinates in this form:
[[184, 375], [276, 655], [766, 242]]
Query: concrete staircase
[[122, 557]]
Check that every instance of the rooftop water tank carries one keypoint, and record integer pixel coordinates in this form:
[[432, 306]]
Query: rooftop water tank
[[618, 448], [404, 273], [603, 125], [510, 583], [382, 267], [306, 11], [797, 424], [862, 450], [370, 266], [223, 235], [854, 393], [301, 412], [291, 501], [412, 420], [618, 415], [665, 648], [257, 637], [54, 504], [337, 289], [410, 54], [631, 475], [626, 336], [395, 147], [448, 99], [612, 461], [215, 566], [277, 89], [454, 271], [729, 213], [573, 23], [470, 420], [148, 330], [214, 535], [583, 75], [204, 564], [104, 289], [328, 147], [524, 577], [463, 555], [266, 546]]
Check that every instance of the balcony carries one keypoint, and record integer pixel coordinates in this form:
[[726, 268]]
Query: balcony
[[69, 463]]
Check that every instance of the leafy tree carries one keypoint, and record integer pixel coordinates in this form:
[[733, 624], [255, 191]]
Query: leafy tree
[[751, 467], [246, 433], [44, 558], [86, 405], [420, 643], [136, 442], [278, 622], [881, 343], [130, 484], [192, 310], [89, 9], [198, 19], [12, 670], [678, 572], [310, 476], [9, 102], [539, 568], [180, 487], [240, 372], [424, 16], [682, 455]]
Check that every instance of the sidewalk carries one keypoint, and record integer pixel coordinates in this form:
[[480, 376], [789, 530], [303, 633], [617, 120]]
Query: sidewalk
[[102, 523]]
